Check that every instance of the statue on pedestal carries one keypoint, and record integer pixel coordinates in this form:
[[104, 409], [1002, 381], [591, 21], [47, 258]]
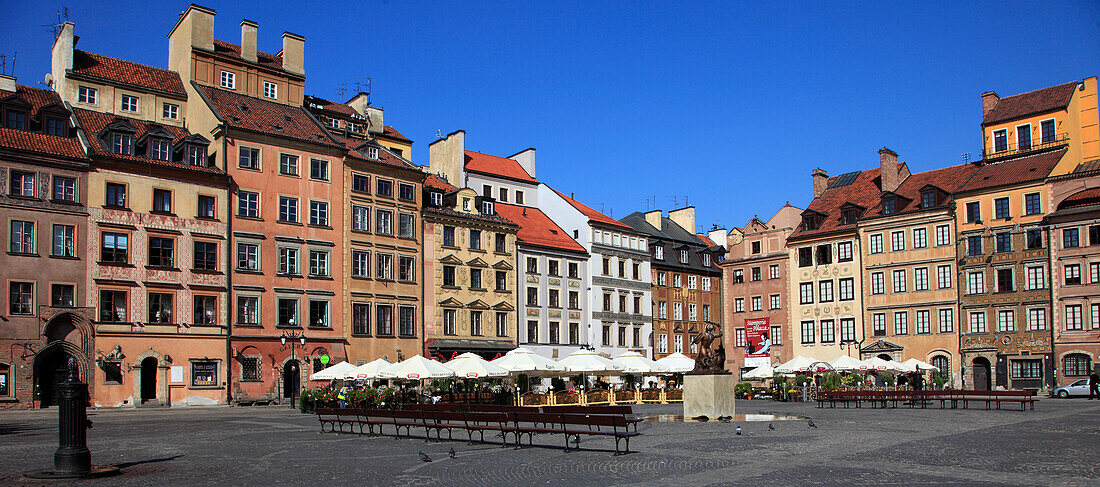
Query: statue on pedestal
[[709, 361]]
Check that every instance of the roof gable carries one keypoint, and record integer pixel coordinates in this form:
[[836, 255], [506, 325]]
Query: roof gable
[[592, 215], [537, 229], [1031, 103]]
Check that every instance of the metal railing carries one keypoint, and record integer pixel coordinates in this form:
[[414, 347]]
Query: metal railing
[[1014, 148]]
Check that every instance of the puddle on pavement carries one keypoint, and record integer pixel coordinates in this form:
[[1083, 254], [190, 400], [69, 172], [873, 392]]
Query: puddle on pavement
[[678, 418]]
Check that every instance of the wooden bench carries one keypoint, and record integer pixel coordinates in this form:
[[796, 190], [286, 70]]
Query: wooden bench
[[955, 398], [597, 410]]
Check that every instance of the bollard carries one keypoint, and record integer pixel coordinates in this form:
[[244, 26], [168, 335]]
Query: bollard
[[73, 460]]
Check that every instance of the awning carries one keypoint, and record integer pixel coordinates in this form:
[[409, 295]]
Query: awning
[[466, 344]]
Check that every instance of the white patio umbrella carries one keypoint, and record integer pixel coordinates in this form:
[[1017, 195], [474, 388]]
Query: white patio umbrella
[[369, 370], [635, 363], [417, 367], [472, 366], [915, 365], [880, 365], [588, 361], [677, 363], [524, 361], [795, 365], [761, 372], [845, 363], [336, 371]]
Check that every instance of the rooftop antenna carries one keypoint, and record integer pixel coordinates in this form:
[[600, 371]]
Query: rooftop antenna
[[966, 157], [360, 84], [62, 17], [438, 134], [342, 91]]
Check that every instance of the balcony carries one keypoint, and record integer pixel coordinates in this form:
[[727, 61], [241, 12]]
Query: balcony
[[1012, 148]]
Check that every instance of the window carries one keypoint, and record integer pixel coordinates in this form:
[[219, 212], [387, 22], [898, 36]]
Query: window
[[974, 245], [288, 261], [943, 276], [662, 308], [825, 291], [206, 256], [532, 265], [206, 206], [21, 298], [1095, 316], [878, 283], [248, 204], [250, 369], [22, 237], [975, 282], [575, 300], [828, 331], [683, 256], [1076, 365], [897, 241], [161, 250], [318, 314], [901, 323], [677, 311], [288, 209], [706, 309], [920, 279], [318, 169], [271, 90], [1047, 128], [607, 266], [1004, 242], [755, 304], [875, 243], [1000, 208], [1032, 205], [706, 260], [114, 248], [1037, 318], [360, 263], [519, 197], [806, 293], [1094, 234], [1027, 369], [847, 289], [756, 247], [383, 222], [739, 337], [1073, 274], [112, 306], [622, 269], [406, 268], [773, 270], [158, 149], [318, 213], [204, 373], [318, 263], [502, 282], [943, 235], [500, 246], [504, 194], [805, 257], [288, 165], [973, 212], [170, 111], [1094, 272], [1000, 140], [160, 308], [889, 206], [383, 266], [22, 184], [693, 280], [924, 322], [1006, 320], [899, 281], [662, 343], [1071, 238], [928, 199], [824, 256], [475, 279], [1023, 137], [64, 189], [229, 80], [532, 296], [878, 324], [248, 310], [205, 308], [406, 321], [384, 187], [475, 239], [1036, 277], [1073, 317], [87, 95], [920, 238], [17, 120], [555, 329], [1005, 280], [807, 332], [946, 320], [372, 153], [407, 192], [977, 323], [659, 252], [361, 184], [62, 295], [1034, 239], [662, 278], [384, 319], [162, 200], [248, 158], [129, 103], [847, 331]]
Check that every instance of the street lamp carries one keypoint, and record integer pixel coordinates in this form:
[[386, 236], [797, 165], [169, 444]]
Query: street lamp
[[849, 345], [293, 340]]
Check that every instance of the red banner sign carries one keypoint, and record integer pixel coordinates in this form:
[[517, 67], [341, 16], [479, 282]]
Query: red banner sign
[[758, 342]]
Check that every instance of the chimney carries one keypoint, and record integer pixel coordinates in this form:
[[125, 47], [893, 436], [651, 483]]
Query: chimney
[[447, 158], [888, 161], [194, 30], [293, 53], [248, 40], [526, 160], [821, 181], [61, 57], [7, 83], [989, 100], [654, 218], [718, 235], [685, 217]]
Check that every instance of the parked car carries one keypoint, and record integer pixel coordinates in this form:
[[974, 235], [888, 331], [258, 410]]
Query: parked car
[[1077, 388]]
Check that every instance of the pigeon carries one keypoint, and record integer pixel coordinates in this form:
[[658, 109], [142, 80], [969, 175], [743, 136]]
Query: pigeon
[[702, 417], [811, 423], [771, 426], [725, 419], [451, 453], [738, 431], [423, 457]]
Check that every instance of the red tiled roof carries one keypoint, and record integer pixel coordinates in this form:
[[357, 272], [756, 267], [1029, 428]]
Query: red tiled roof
[[497, 166], [436, 182], [393, 133], [536, 228], [41, 143], [863, 191], [256, 115], [706, 239], [1087, 197], [234, 50], [1030, 103], [93, 124], [36, 97], [593, 214], [1014, 171], [120, 71], [948, 179], [331, 106], [384, 156]]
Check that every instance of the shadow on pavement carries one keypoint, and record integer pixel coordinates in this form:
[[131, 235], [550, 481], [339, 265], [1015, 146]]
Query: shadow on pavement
[[141, 462], [14, 429]]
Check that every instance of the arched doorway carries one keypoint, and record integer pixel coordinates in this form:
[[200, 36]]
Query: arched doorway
[[148, 379], [50, 369], [981, 374], [291, 378]]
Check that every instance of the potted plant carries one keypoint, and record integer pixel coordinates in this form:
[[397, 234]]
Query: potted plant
[[37, 397]]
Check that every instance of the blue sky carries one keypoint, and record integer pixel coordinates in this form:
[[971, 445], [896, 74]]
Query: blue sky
[[729, 104]]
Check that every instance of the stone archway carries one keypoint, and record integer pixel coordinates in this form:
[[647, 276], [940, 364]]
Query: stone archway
[[51, 367], [150, 361]]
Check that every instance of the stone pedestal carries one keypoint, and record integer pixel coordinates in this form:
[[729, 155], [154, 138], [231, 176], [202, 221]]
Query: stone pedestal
[[709, 395]]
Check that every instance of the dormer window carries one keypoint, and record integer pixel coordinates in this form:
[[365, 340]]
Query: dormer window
[[487, 208], [810, 222], [16, 120], [332, 122], [437, 198], [158, 149], [928, 199], [683, 256], [57, 126], [122, 144], [372, 152], [706, 260], [466, 204], [889, 206], [355, 128], [848, 216], [196, 155]]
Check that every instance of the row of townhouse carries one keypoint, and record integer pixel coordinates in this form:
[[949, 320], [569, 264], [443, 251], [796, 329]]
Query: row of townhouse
[[987, 270]]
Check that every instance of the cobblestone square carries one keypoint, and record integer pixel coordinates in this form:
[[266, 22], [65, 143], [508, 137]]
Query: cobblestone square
[[1057, 444]]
